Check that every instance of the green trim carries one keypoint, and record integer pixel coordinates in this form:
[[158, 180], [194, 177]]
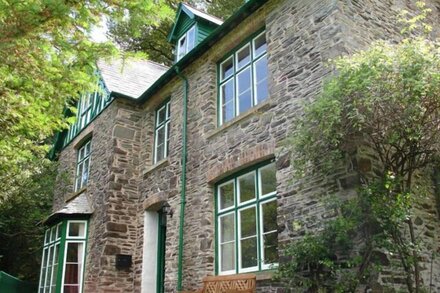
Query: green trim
[[173, 36], [61, 256], [248, 41], [167, 120], [183, 177], [161, 238], [246, 10], [62, 249], [256, 203]]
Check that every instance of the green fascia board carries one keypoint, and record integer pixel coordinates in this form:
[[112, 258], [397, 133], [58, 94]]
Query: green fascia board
[[246, 10], [174, 34]]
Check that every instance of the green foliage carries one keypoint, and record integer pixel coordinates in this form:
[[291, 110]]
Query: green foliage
[[48, 57], [151, 38], [321, 262], [224, 8], [21, 232], [385, 99]]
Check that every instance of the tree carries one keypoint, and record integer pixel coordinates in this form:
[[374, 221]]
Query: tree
[[21, 232], [385, 99], [151, 39], [224, 8], [48, 57]]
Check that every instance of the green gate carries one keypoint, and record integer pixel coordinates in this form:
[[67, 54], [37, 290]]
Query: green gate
[[10, 284]]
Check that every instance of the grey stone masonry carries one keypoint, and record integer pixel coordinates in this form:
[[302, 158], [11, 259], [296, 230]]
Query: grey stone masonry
[[302, 35]]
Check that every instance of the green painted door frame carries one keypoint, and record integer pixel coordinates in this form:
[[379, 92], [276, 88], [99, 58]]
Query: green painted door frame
[[161, 240]]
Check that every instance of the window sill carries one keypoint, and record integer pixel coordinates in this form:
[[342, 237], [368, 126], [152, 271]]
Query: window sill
[[72, 196], [265, 275], [257, 109], [161, 163]]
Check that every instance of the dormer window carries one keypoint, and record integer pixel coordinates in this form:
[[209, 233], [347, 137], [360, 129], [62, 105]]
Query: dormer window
[[191, 27], [186, 43]]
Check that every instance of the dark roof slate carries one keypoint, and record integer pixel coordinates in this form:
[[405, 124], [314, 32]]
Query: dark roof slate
[[130, 77], [77, 206]]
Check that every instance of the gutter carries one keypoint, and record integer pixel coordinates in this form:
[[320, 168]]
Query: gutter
[[245, 10], [183, 176]]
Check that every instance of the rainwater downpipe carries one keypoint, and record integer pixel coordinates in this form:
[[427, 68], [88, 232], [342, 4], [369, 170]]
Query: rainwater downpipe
[[183, 177]]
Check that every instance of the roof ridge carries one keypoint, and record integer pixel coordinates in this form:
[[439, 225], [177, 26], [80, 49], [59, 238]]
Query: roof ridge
[[218, 18]]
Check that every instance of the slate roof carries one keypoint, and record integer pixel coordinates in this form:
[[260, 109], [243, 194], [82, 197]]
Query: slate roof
[[78, 206], [130, 77], [204, 15]]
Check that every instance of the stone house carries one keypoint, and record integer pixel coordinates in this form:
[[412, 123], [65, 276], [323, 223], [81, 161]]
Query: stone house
[[172, 174]]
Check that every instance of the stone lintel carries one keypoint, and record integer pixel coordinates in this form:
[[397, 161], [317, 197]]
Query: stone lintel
[[246, 158], [154, 202]]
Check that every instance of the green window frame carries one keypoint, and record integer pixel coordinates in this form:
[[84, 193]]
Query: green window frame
[[243, 78], [162, 132], [246, 221], [83, 165], [63, 259]]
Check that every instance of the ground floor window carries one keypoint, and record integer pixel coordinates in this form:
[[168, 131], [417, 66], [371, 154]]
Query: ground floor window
[[246, 209], [62, 263]]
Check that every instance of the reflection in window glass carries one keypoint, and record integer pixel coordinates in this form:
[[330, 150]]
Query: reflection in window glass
[[82, 166], [162, 132], [247, 207], [244, 85], [226, 195], [228, 103]]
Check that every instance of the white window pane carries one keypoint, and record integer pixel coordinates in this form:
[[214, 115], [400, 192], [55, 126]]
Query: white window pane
[[244, 90], [228, 107], [81, 153], [270, 242], [248, 225], [77, 229], [160, 143], [260, 46], [46, 236], [268, 179], [243, 57], [161, 115], [191, 35], [167, 143], [246, 185], [261, 85], [58, 231], [269, 211], [226, 195], [181, 51], [227, 230], [227, 68], [249, 256], [168, 110], [52, 234], [85, 175], [227, 252], [78, 184], [88, 148]]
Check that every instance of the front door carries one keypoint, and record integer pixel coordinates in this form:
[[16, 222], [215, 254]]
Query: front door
[[161, 237]]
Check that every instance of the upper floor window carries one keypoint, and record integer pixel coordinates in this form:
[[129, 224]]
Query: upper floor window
[[246, 209], [63, 257], [162, 132], [186, 43], [83, 166], [243, 79], [85, 110]]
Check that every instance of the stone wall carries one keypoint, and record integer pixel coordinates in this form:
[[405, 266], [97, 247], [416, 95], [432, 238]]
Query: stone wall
[[302, 36]]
